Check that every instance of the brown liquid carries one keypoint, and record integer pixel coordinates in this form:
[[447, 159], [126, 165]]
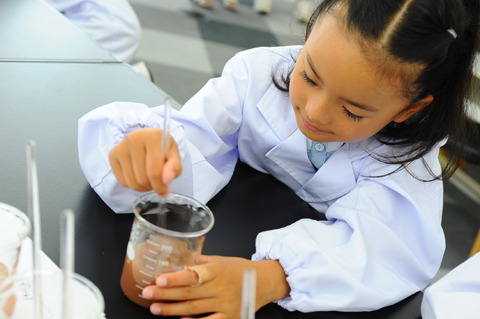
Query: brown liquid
[[167, 256], [131, 288]]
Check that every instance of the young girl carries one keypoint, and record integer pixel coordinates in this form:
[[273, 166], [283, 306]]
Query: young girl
[[352, 122]]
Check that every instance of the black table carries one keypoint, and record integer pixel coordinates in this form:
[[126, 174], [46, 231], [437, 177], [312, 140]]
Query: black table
[[32, 30]]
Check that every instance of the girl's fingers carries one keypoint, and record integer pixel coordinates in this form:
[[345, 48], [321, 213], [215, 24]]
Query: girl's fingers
[[205, 259], [129, 175], [183, 308], [176, 294], [138, 162], [216, 315], [121, 164], [117, 169], [173, 164], [137, 154], [154, 163], [183, 278]]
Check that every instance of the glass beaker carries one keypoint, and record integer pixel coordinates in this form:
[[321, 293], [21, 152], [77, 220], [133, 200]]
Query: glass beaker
[[167, 235], [17, 296], [14, 228]]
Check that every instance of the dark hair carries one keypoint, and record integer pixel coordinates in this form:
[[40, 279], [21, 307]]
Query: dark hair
[[439, 38]]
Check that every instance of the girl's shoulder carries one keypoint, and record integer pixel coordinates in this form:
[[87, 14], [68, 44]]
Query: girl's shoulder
[[374, 158], [372, 146], [287, 52], [253, 68], [269, 55], [364, 148]]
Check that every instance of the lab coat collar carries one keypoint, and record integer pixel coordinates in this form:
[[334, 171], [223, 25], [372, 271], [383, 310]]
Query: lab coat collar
[[291, 153]]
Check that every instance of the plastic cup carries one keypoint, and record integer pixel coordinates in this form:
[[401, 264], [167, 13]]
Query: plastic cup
[[14, 228], [16, 296], [167, 235]]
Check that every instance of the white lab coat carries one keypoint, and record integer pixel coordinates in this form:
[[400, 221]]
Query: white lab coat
[[112, 23], [382, 241], [456, 295]]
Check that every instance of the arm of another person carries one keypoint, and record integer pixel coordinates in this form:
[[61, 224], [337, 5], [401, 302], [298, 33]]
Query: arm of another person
[[205, 131], [112, 23], [456, 295]]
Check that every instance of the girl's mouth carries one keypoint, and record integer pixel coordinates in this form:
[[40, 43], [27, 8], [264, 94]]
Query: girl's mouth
[[311, 127]]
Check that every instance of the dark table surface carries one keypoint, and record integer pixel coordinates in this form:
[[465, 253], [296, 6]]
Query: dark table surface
[[31, 30]]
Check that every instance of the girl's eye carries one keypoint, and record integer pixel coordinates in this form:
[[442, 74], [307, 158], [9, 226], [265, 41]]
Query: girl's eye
[[307, 79], [351, 115]]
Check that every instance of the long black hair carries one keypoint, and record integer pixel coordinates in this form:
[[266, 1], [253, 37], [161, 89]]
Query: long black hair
[[439, 38]]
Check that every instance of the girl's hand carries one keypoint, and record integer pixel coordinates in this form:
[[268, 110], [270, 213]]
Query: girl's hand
[[220, 292], [138, 162]]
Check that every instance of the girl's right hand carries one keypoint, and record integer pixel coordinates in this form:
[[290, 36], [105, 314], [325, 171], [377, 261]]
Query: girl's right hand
[[138, 162]]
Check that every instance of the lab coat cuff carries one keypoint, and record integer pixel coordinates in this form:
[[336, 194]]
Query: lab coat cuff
[[269, 247]]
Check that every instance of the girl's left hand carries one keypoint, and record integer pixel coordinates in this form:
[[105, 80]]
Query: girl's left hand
[[219, 294]]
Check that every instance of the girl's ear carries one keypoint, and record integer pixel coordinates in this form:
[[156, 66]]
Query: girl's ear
[[412, 109]]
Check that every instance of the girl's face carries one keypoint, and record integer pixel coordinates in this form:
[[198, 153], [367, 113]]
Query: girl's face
[[336, 94]]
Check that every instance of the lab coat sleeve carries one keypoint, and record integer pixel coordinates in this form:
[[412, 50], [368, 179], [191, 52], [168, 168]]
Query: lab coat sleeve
[[381, 243], [112, 23], [103, 128], [205, 129], [456, 295]]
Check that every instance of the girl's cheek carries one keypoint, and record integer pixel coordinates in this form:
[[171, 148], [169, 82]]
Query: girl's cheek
[[295, 92]]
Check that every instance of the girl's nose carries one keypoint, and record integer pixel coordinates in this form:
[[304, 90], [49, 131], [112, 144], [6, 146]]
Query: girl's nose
[[319, 111]]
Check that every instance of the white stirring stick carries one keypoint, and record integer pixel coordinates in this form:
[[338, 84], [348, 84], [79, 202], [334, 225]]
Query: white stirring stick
[[34, 213], [249, 289], [67, 258], [166, 121]]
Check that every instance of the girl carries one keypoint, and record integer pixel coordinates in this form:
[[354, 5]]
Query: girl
[[352, 122]]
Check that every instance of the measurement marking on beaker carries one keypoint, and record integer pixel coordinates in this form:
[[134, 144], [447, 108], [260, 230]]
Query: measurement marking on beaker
[[150, 267], [152, 243], [166, 248], [153, 252], [146, 273], [139, 287], [147, 282], [140, 295], [148, 258]]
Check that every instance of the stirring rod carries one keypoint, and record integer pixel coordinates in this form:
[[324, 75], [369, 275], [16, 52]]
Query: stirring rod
[[166, 129], [166, 122], [67, 258], [249, 294], [34, 213]]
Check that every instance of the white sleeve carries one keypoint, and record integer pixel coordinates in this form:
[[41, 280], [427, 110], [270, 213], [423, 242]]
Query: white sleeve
[[380, 244], [456, 295], [206, 131], [112, 23], [101, 129]]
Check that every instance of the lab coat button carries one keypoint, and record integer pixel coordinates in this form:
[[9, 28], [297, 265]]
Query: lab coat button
[[320, 147]]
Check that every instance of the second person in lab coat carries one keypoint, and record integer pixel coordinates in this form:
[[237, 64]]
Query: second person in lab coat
[[112, 23]]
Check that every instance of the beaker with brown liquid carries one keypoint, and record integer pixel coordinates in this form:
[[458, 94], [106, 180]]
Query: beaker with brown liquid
[[167, 235]]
